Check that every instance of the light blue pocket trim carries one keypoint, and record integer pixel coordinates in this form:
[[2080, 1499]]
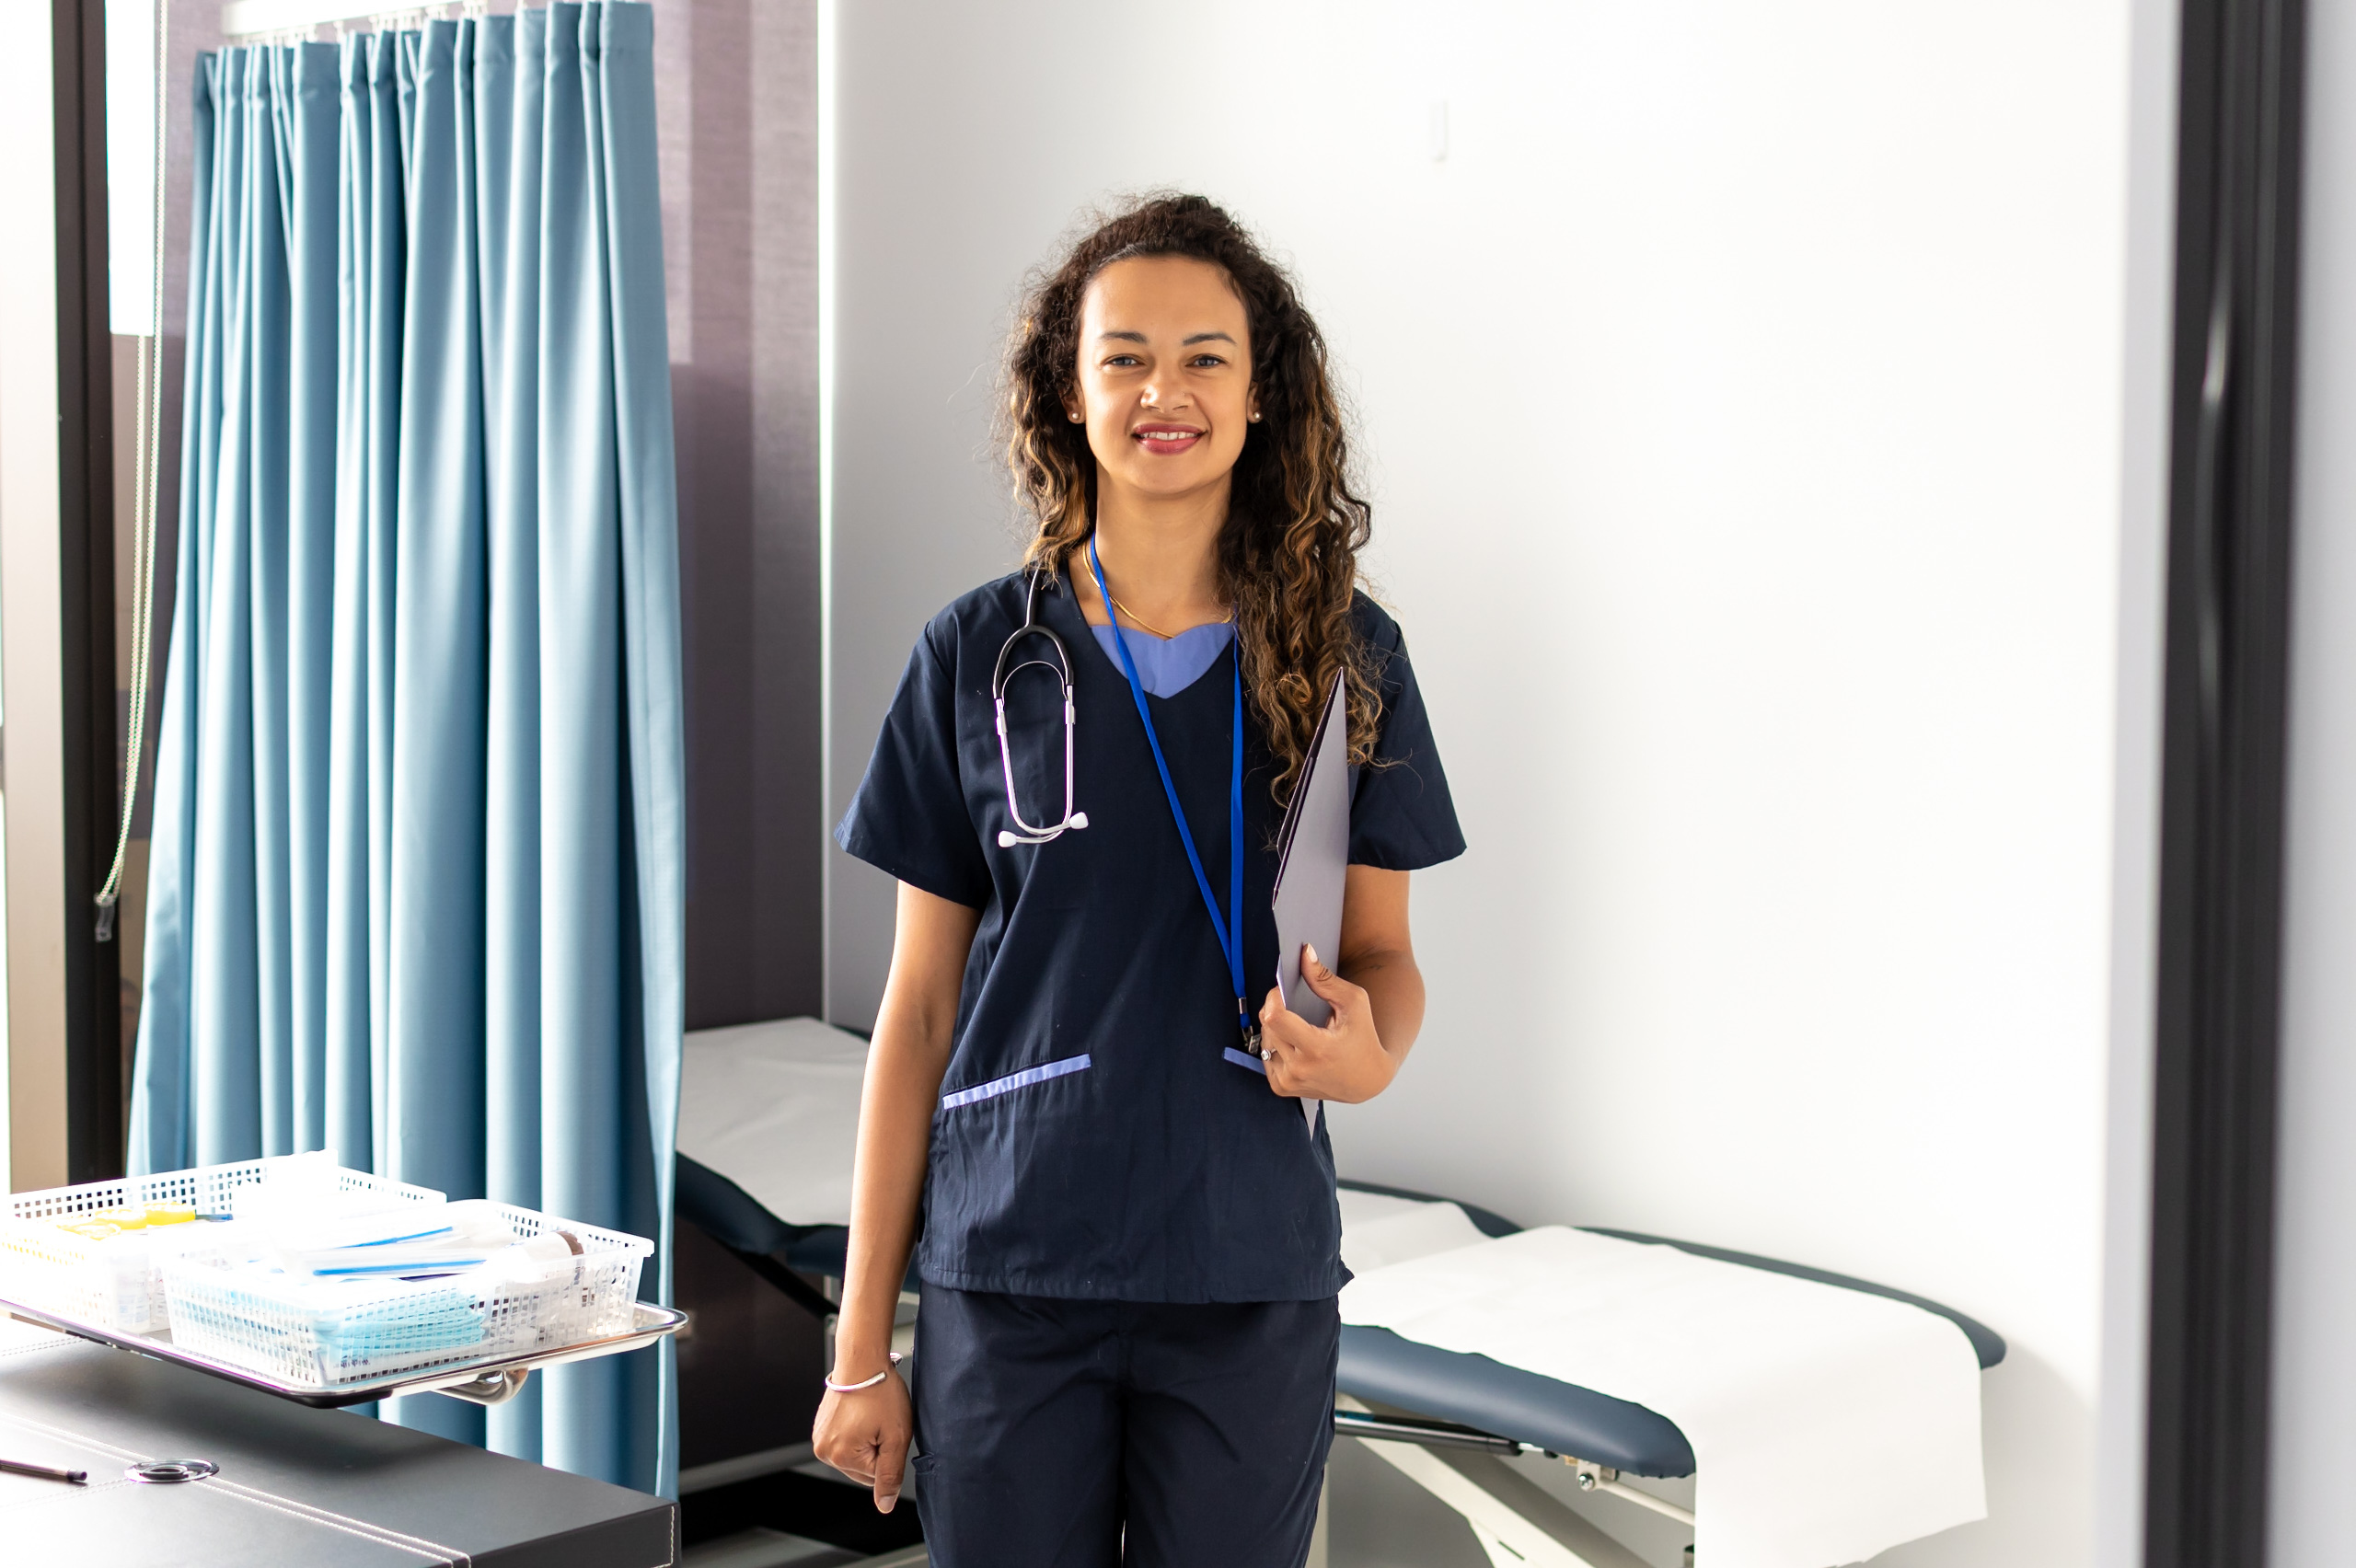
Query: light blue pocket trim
[[1023, 1079], [1246, 1059]]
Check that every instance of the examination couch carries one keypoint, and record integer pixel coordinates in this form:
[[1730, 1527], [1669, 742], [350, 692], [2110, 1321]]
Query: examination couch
[[767, 1119]]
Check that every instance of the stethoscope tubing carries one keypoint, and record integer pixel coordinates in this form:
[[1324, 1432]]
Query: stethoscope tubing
[[1024, 832]]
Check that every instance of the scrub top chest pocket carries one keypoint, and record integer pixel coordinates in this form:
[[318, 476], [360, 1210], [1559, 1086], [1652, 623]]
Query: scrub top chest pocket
[[1092, 1138], [1042, 1073]]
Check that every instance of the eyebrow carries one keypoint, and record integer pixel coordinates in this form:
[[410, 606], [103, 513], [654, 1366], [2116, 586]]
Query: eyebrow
[[1197, 337]]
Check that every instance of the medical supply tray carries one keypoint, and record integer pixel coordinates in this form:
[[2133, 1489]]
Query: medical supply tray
[[474, 1334]]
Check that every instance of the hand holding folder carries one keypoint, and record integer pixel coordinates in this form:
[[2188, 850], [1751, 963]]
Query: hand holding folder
[[1313, 870]]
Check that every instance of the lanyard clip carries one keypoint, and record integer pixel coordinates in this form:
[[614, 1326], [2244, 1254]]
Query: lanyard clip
[[1248, 1026]]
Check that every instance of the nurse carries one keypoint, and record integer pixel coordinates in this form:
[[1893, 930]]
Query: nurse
[[1128, 1236]]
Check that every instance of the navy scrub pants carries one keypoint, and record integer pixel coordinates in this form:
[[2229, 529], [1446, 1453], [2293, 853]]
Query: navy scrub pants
[[1054, 1434]]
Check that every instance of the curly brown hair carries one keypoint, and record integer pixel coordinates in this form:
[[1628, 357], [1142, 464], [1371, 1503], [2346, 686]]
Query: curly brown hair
[[1288, 557]]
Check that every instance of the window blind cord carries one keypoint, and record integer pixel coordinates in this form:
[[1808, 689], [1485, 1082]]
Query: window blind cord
[[146, 460]]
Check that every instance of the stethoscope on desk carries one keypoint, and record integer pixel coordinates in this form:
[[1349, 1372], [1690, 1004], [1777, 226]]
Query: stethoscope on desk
[[1022, 832], [1228, 928]]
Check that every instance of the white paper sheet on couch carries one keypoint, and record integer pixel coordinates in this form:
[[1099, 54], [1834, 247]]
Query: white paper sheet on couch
[[774, 1107], [1379, 1229], [1826, 1424]]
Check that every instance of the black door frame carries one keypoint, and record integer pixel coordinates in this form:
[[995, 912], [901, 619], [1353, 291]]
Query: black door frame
[[2225, 684], [89, 745]]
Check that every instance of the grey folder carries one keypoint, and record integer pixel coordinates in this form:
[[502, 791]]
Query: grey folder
[[1313, 862]]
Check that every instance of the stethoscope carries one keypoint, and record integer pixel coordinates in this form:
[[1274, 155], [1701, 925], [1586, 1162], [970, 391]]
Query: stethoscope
[[1000, 679], [1228, 928]]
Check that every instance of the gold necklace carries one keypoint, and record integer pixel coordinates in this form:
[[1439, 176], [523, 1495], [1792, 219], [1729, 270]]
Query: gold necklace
[[1143, 624], [1139, 619]]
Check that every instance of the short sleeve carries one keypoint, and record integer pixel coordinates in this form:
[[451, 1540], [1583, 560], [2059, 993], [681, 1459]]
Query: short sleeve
[[1402, 818], [909, 819]]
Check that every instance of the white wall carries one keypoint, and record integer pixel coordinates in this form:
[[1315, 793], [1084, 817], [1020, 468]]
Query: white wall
[[2313, 1507], [1742, 406], [2144, 379], [34, 991]]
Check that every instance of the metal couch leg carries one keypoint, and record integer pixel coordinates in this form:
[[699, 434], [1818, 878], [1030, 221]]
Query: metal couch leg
[[1517, 1524]]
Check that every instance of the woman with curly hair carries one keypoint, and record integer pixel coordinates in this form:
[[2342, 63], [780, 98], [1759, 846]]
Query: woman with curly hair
[[1130, 1247]]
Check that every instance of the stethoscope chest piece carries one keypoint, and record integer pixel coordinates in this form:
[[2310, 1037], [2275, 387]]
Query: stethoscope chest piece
[[170, 1472], [1013, 661]]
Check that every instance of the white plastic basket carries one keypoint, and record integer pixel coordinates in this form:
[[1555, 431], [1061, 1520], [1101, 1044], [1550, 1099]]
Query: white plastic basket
[[289, 1328], [318, 1334], [117, 1284]]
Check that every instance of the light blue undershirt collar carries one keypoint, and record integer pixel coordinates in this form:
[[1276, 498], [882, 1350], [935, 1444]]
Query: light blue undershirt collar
[[1167, 666]]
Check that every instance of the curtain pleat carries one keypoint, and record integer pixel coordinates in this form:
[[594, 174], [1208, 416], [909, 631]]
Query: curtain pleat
[[436, 1010], [582, 1142], [512, 57], [231, 1062], [653, 725], [369, 248], [161, 1108], [415, 892], [388, 196], [309, 137]]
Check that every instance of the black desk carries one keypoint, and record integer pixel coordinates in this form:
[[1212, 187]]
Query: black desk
[[305, 1488]]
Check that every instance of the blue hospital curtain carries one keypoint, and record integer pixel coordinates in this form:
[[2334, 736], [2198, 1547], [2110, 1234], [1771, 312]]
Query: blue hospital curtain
[[415, 892]]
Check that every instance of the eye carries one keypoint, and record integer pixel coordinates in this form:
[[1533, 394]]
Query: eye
[[1120, 362], [1207, 361]]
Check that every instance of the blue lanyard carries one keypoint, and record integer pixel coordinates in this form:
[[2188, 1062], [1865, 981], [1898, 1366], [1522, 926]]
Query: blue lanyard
[[1230, 938]]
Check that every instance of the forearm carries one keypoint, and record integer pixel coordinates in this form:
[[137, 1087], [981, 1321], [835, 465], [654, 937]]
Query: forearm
[[1394, 991], [905, 1064], [1376, 994], [895, 1130]]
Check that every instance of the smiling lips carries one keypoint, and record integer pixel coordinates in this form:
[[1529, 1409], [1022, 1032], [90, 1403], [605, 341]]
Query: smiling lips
[[1165, 440]]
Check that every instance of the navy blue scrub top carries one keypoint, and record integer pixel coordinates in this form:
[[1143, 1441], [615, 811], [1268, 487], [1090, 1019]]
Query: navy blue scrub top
[[1092, 1139]]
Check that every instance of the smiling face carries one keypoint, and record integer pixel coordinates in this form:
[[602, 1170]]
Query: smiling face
[[1164, 375]]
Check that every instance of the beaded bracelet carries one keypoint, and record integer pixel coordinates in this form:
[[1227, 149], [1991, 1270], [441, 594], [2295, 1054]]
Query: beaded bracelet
[[865, 1383]]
